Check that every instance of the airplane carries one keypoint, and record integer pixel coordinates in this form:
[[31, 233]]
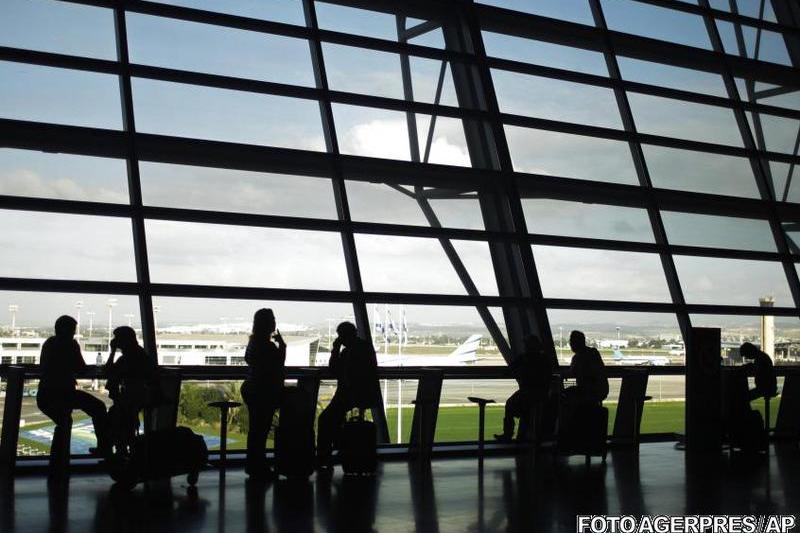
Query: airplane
[[464, 354], [640, 360]]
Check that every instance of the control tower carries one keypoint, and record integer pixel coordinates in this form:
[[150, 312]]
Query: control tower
[[768, 328]]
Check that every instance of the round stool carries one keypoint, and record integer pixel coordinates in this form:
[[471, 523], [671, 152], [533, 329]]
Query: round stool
[[223, 407], [481, 419]]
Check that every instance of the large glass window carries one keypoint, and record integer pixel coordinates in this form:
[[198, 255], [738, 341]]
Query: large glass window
[[710, 280]]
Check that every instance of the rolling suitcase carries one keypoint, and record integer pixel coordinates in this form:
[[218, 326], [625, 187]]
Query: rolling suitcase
[[357, 446], [294, 437], [585, 432], [161, 454], [748, 434]]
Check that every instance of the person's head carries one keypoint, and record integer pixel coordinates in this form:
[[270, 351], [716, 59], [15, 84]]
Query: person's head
[[748, 350], [533, 345], [66, 326], [347, 332], [124, 338], [263, 323], [577, 340]]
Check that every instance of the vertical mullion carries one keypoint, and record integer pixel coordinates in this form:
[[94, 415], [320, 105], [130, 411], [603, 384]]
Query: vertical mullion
[[508, 184], [342, 207], [759, 163], [134, 186], [643, 174]]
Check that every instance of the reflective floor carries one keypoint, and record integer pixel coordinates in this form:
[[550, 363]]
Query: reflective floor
[[507, 494]]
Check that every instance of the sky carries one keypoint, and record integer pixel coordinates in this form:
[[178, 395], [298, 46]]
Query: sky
[[100, 248]]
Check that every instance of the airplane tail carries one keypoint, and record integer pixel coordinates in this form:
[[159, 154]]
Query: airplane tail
[[465, 353], [618, 355]]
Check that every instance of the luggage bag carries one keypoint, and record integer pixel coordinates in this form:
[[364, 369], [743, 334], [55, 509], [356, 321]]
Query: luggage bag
[[294, 436], [585, 432], [357, 446]]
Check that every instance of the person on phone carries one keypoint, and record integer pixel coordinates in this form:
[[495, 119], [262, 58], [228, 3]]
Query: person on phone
[[765, 379], [60, 362], [131, 382], [355, 365], [261, 391]]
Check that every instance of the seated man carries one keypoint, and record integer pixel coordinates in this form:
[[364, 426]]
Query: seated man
[[131, 383], [57, 396], [356, 371], [591, 383], [766, 381], [532, 369]]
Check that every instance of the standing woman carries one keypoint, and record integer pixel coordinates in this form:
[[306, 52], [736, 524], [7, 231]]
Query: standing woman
[[261, 391]]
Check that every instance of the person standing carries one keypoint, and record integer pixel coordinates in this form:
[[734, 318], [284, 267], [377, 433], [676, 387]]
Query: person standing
[[261, 391]]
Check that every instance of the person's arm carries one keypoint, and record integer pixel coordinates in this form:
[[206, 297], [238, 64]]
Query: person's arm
[[281, 348], [79, 365], [334, 362]]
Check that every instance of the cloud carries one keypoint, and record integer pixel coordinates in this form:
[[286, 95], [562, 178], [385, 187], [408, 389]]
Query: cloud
[[24, 182]]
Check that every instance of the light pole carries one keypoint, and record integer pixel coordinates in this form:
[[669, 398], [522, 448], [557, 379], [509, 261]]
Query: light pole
[[90, 314], [560, 341], [111, 302], [79, 306], [156, 310], [13, 308]]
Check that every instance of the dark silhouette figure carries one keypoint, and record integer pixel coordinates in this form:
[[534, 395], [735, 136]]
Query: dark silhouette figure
[[766, 381], [356, 371], [587, 368], [60, 362], [262, 389], [131, 382], [532, 369]]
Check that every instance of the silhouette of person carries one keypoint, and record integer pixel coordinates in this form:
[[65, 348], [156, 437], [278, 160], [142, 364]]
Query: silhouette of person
[[262, 389], [356, 371], [60, 362], [131, 384], [591, 383], [766, 381], [532, 369]]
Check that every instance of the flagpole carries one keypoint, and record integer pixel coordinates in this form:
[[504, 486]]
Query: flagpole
[[399, 390]]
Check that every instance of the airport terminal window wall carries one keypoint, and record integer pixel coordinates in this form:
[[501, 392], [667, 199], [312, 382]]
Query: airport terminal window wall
[[430, 170]]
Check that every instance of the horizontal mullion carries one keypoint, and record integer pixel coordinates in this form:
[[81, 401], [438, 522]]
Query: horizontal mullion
[[54, 205], [645, 138], [633, 86], [726, 253], [69, 286], [656, 307], [51, 59]]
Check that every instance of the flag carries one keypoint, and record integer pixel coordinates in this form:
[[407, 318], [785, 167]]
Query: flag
[[390, 324]]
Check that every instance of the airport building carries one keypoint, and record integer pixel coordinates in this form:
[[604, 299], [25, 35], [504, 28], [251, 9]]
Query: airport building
[[452, 177]]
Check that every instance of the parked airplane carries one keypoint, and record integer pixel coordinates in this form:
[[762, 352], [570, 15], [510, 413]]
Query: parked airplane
[[640, 360], [464, 354]]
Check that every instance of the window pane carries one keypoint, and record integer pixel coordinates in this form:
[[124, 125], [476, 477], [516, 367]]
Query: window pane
[[710, 280], [589, 274], [368, 23], [686, 170], [692, 229], [780, 134], [670, 76], [786, 181], [640, 339], [59, 96], [59, 27], [570, 156], [382, 203], [206, 254], [431, 334], [684, 120], [771, 45], [225, 115], [217, 189], [63, 176], [203, 331], [58, 246], [792, 232], [289, 11], [551, 99], [419, 265], [656, 22], [587, 220], [242, 54], [571, 10], [739, 329], [543, 53], [382, 133]]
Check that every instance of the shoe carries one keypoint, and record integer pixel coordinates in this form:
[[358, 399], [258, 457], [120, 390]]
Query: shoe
[[502, 437]]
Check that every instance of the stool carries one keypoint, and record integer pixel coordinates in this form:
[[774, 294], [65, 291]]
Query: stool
[[766, 413], [481, 419], [60, 449], [223, 428]]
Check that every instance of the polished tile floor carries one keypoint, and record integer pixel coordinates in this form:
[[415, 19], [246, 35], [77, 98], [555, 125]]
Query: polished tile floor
[[507, 494]]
